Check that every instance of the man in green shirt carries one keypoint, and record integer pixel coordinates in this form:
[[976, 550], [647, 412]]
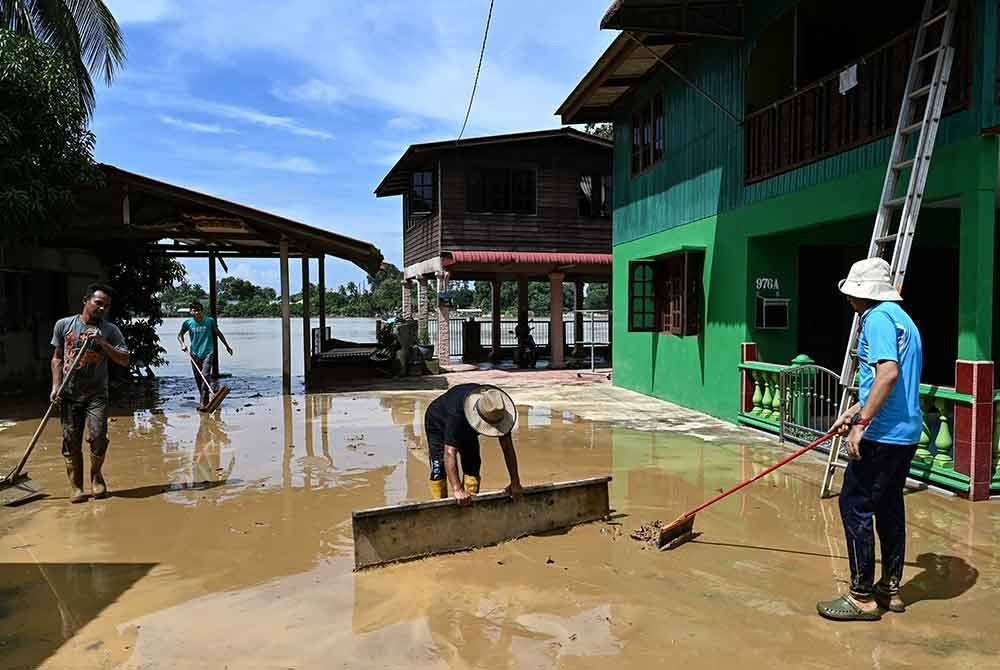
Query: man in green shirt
[[203, 330]]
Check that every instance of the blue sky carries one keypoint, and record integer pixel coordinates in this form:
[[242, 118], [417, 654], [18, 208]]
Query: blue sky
[[300, 107]]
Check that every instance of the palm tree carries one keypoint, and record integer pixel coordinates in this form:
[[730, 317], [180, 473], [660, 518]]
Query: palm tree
[[83, 31]]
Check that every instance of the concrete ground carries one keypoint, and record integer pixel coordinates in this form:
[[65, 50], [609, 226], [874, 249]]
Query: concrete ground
[[227, 543]]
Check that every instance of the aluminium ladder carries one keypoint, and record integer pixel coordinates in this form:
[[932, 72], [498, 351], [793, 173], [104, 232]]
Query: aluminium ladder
[[919, 116]]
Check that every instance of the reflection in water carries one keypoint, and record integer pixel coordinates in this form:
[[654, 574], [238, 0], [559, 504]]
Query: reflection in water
[[207, 458]]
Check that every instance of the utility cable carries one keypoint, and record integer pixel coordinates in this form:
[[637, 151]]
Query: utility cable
[[475, 83]]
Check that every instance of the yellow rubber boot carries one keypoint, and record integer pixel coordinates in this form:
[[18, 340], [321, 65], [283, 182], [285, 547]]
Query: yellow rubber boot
[[439, 488], [471, 484]]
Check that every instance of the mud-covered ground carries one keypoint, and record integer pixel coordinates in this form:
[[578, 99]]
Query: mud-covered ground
[[227, 543]]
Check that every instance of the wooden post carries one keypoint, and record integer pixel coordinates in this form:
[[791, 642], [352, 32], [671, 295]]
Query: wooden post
[[557, 336], [578, 319], [306, 321], [495, 332], [286, 323], [321, 270], [213, 304]]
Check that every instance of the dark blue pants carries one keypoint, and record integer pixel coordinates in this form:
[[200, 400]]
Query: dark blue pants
[[873, 491], [203, 363]]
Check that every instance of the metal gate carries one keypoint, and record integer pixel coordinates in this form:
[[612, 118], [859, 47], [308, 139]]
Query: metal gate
[[810, 397]]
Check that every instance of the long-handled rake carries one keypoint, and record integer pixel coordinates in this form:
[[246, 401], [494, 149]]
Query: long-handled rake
[[15, 479], [681, 529], [214, 398]]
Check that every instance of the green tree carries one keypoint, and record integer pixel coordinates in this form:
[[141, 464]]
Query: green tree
[[83, 32], [234, 288], [139, 279], [605, 130], [45, 145], [596, 296]]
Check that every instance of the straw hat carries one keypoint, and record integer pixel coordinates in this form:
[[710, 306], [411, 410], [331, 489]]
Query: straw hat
[[490, 411], [870, 279]]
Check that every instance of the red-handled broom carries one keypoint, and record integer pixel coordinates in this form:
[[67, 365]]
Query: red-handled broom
[[681, 529]]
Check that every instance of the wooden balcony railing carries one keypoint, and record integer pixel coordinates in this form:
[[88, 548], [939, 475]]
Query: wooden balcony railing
[[818, 121]]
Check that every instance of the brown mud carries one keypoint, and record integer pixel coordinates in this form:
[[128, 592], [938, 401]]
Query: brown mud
[[227, 543]]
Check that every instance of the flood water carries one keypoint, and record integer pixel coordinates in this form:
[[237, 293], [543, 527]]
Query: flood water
[[227, 543], [257, 344]]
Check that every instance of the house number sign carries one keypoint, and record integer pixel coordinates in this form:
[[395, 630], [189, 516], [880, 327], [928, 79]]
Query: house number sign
[[768, 284]]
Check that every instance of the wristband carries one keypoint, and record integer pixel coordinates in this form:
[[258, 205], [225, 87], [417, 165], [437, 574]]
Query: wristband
[[861, 421]]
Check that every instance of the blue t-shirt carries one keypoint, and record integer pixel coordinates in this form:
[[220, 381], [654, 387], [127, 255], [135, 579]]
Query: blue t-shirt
[[889, 334], [202, 335]]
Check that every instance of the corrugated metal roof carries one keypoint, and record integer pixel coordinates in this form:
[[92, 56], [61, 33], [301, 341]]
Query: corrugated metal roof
[[525, 257]]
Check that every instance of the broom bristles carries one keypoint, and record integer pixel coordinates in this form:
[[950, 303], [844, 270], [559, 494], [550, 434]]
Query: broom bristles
[[676, 533]]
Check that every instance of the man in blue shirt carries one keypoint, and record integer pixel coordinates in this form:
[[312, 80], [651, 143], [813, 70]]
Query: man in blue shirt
[[880, 434], [203, 330]]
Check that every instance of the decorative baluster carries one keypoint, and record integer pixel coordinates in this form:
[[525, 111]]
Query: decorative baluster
[[765, 412], [758, 397], [923, 454], [943, 443], [776, 396]]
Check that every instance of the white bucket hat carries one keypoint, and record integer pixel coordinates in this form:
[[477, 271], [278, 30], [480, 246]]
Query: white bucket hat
[[870, 279], [490, 411]]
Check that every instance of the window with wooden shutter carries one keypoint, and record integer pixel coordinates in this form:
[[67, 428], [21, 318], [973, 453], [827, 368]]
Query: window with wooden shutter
[[670, 286], [642, 302]]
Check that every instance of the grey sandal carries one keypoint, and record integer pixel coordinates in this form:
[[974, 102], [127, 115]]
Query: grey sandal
[[889, 601], [843, 609]]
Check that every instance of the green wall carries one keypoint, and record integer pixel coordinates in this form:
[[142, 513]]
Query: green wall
[[761, 239], [702, 171]]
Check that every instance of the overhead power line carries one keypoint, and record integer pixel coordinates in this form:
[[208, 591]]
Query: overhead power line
[[475, 83]]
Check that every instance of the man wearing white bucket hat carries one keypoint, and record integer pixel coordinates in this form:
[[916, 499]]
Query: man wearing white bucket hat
[[880, 432], [453, 423]]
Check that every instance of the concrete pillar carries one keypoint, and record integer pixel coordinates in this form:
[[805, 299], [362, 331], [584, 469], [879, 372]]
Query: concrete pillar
[[975, 275], [421, 305], [748, 353], [556, 334], [306, 321], [522, 302], [578, 318], [443, 346], [286, 325], [407, 298], [321, 280], [495, 317], [974, 426]]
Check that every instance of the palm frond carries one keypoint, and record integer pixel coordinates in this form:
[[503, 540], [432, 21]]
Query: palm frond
[[84, 31], [100, 36]]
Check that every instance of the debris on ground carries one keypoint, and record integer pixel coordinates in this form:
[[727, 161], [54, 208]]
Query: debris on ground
[[648, 532]]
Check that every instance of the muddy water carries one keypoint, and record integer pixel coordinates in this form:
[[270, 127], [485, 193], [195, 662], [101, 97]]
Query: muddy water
[[228, 544]]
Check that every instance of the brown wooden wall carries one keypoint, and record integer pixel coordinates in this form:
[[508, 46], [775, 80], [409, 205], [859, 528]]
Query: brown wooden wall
[[421, 239], [556, 225]]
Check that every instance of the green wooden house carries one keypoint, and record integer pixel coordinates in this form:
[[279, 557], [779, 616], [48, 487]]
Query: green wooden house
[[751, 142]]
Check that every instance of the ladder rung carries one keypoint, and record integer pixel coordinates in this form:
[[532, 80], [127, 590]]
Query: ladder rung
[[909, 130], [886, 238], [838, 464], [852, 389], [932, 52], [934, 19], [895, 202], [923, 90], [902, 165]]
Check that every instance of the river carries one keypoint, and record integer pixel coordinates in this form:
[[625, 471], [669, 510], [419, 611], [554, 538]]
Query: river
[[257, 344]]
